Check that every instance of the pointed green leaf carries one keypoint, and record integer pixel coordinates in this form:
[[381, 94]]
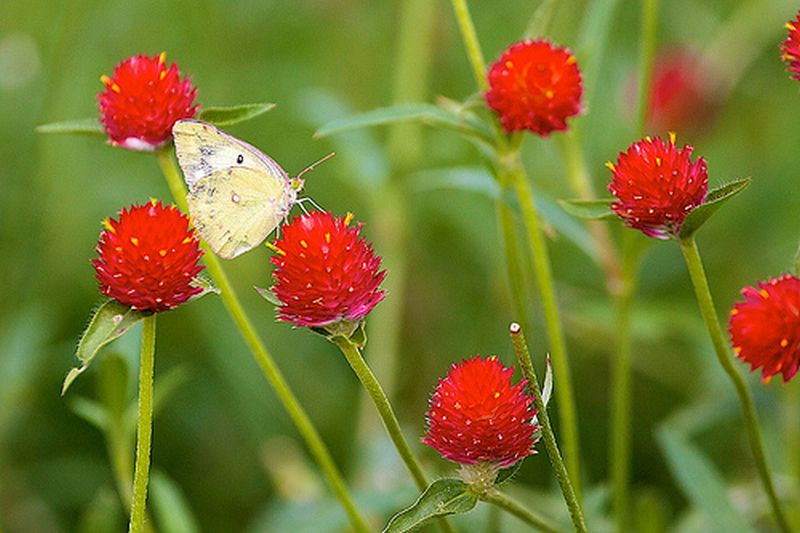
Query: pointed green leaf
[[227, 115], [700, 481], [81, 126], [432, 115], [442, 497], [268, 295], [589, 209], [91, 411], [206, 285], [110, 321], [507, 473], [170, 506], [699, 215]]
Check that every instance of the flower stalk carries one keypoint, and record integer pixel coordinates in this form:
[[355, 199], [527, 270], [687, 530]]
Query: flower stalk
[[560, 469], [708, 311], [512, 506], [144, 425], [265, 361]]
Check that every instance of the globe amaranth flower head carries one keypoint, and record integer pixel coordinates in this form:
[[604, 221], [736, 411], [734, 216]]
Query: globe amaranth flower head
[[326, 273], [791, 47], [657, 185], [477, 417], [142, 100], [765, 327], [684, 93], [535, 86], [149, 258]]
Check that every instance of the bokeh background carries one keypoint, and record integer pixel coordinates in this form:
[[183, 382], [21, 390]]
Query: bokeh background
[[226, 456]]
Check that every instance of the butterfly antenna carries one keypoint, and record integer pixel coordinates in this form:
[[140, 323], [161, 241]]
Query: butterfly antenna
[[310, 167], [304, 199]]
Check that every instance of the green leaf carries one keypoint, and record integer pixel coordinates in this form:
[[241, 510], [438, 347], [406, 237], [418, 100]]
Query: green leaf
[[227, 115], [103, 514], [110, 321], [442, 497], [170, 507], [507, 473], [700, 214], [700, 481], [589, 209], [432, 115], [206, 287], [268, 295], [81, 126], [91, 411]]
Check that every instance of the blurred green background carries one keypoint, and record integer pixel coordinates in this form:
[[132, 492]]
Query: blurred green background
[[227, 457]]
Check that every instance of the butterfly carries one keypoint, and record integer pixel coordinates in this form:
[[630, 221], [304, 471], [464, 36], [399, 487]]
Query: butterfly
[[237, 194]]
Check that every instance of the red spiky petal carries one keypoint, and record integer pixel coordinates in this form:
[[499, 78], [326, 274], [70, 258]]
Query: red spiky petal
[[325, 272], [535, 86], [657, 185], [477, 416], [791, 47], [148, 258], [142, 100], [765, 327]]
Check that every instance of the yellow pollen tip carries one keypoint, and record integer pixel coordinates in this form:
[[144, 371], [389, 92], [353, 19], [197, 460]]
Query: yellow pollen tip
[[134, 241], [784, 343], [115, 88], [187, 240], [737, 350], [153, 201], [348, 218], [648, 138], [496, 395], [789, 26], [571, 60], [162, 253], [734, 312], [162, 75], [611, 166], [105, 80], [672, 137], [274, 248], [548, 94], [764, 294], [767, 379], [108, 226], [658, 161], [328, 237], [162, 58], [509, 64], [303, 243]]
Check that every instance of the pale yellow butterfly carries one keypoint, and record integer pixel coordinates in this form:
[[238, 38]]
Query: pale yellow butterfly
[[237, 194]]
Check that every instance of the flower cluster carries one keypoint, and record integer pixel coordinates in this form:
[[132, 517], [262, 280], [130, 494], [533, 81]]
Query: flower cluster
[[656, 185], [791, 47], [325, 272], [477, 416], [142, 100], [535, 86], [765, 327], [148, 258]]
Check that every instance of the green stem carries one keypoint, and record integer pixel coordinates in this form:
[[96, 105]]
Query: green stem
[[512, 172], [707, 309], [144, 424], [383, 406], [470, 38], [507, 503], [646, 55], [562, 476], [268, 367]]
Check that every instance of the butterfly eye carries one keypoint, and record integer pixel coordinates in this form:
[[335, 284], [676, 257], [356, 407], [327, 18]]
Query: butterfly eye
[[240, 159]]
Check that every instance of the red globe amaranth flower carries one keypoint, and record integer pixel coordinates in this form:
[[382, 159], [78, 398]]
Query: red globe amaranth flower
[[683, 93], [325, 272], [148, 258], [657, 185], [142, 101], [535, 86], [765, 327], [477, 416], [791, 47]]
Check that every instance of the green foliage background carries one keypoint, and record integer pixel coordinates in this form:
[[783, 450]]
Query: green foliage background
[[221, 438]]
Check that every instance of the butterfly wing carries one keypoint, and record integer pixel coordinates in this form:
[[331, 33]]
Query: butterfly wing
[[203, 150], [234, 209]]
